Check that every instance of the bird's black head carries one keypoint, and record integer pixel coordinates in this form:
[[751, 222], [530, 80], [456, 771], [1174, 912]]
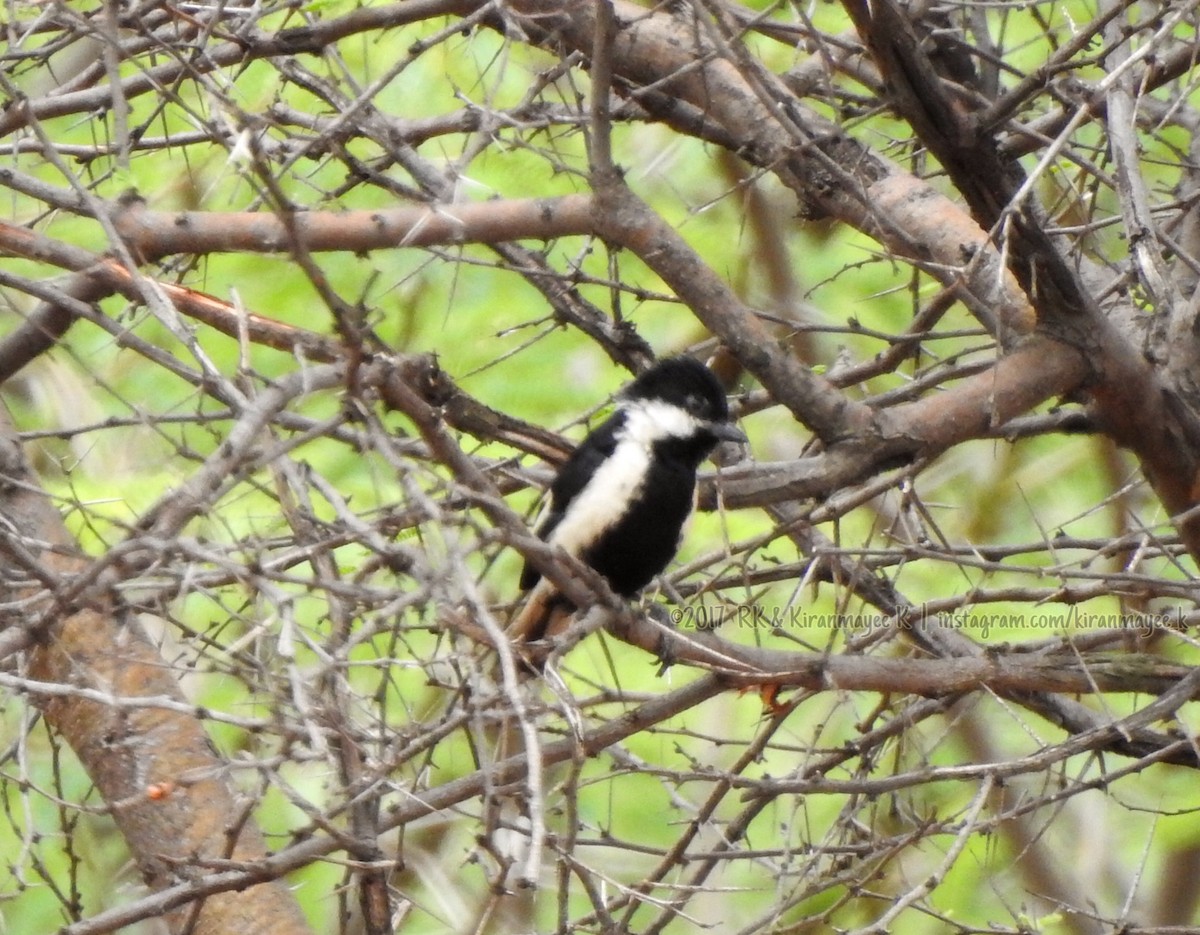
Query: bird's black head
[[682, 382], [678, 408]]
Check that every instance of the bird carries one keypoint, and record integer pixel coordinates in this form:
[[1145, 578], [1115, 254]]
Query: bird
[[621, 501]]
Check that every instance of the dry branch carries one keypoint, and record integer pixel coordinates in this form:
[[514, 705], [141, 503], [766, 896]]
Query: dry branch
[[347, 506], [166, 789]]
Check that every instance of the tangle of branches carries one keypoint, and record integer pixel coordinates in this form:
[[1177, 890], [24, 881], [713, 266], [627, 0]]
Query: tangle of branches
[[304, 304]]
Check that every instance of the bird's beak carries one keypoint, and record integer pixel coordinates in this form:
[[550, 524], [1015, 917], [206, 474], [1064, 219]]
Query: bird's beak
[[728, 432]]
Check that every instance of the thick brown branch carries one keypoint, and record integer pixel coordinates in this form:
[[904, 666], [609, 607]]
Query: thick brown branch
[[1036, 371], [168, 792], [152, 234]]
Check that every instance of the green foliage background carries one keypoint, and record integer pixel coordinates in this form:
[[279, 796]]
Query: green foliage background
[[491, 332]]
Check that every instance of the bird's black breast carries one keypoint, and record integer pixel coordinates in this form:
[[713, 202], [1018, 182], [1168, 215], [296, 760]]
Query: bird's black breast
[[643, 533], [640, 544]]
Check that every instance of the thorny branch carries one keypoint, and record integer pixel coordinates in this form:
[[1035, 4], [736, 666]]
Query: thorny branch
[[463, 202]]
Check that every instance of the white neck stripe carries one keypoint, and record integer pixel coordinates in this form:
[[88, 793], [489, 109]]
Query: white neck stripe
[[651, 420]]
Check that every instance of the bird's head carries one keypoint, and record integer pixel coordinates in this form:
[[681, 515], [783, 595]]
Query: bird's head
[[680, 398]]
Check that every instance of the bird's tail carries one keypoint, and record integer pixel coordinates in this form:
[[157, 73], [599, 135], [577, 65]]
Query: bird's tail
[[543, 615]]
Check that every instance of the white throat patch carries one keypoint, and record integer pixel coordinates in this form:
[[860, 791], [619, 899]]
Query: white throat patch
[[651, 420]]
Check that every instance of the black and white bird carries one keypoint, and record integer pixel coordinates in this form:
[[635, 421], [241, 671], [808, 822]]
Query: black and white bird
[[620, 502]]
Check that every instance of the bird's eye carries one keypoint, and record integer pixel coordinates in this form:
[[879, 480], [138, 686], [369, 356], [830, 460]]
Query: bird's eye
[[694, 402]]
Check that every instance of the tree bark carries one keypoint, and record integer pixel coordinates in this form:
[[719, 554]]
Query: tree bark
[[103, 687]]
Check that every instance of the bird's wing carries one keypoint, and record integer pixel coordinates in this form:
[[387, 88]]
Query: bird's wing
[[572, 477]]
